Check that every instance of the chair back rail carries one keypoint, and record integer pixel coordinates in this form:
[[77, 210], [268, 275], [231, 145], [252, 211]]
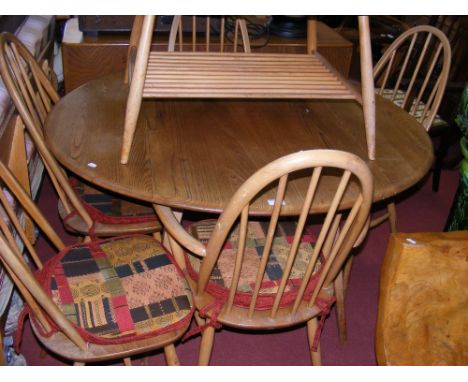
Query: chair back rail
[[176, 34], [414, 70], [332, 243], [33, 96]]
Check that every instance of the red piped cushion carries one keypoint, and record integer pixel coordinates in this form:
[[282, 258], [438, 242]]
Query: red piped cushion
[[221, 276], [119, 289], [400, 97], [111, 208]]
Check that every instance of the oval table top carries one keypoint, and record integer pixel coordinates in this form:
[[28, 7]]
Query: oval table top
[[194, 154]]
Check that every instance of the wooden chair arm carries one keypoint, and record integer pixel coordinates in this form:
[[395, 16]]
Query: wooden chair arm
[[175, 229]]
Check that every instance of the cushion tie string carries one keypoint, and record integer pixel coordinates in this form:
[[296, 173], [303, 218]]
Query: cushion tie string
[[26, 311], [215, 308], [324, 305]]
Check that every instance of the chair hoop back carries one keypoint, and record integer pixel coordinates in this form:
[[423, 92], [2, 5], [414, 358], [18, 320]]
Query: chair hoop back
[[414, 70], [25, 80], [34, 96], [332, 244]]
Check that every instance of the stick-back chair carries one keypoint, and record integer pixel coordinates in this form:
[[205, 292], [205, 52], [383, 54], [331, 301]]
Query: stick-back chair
[[413, 74], [227, 29], [83, 208], [102, 300], [181, 74], [276, 272]]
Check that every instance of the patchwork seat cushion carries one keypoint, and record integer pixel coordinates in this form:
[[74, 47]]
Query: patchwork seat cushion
[[111, 208], [221, 276], [119, 289], [398, 100]]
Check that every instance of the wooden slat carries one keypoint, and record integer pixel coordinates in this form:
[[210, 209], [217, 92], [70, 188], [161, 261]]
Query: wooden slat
[[221, 75]]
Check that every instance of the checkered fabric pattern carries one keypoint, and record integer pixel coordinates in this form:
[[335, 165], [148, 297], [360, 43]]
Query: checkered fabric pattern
[[398, 100], [256, 238], [110, 204], [119, 289]]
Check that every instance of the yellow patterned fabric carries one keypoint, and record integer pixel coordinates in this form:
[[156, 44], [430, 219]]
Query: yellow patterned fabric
[[398, 100], [255, 242], [119, 289]]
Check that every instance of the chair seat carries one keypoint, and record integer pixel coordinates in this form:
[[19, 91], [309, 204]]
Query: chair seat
[[232, 75], [111, 208], [112, 215], [119, 290], [221, 276], [398, 100]]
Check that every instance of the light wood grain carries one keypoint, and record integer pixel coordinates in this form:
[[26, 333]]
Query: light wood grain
[[213, 146], [252, 77], [300, 309], [423, 302]]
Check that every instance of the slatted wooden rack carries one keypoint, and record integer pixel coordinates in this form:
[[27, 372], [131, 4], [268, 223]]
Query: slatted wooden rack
[[233, 75], [244, 75]]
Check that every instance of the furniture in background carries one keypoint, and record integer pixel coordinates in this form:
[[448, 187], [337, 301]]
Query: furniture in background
[[246, 76], [18, 152], [271, 273], [87, 57], [67, 296], [413, 74], [83, 209], [229, 34], [423, 302]]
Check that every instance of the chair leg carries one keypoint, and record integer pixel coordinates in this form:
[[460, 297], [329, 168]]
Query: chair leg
[[171, 355], [144, 361], [392, 217], [340, 307], [312, 326], [347, 272], [206, 346], [200, 321], [127, 361], [136, 87], [378, 220]]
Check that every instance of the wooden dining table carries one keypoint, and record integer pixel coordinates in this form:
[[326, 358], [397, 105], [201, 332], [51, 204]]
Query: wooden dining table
[[194, 154]]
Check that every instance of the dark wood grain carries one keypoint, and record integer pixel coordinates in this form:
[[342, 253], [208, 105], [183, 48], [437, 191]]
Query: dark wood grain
[[195, 154]]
